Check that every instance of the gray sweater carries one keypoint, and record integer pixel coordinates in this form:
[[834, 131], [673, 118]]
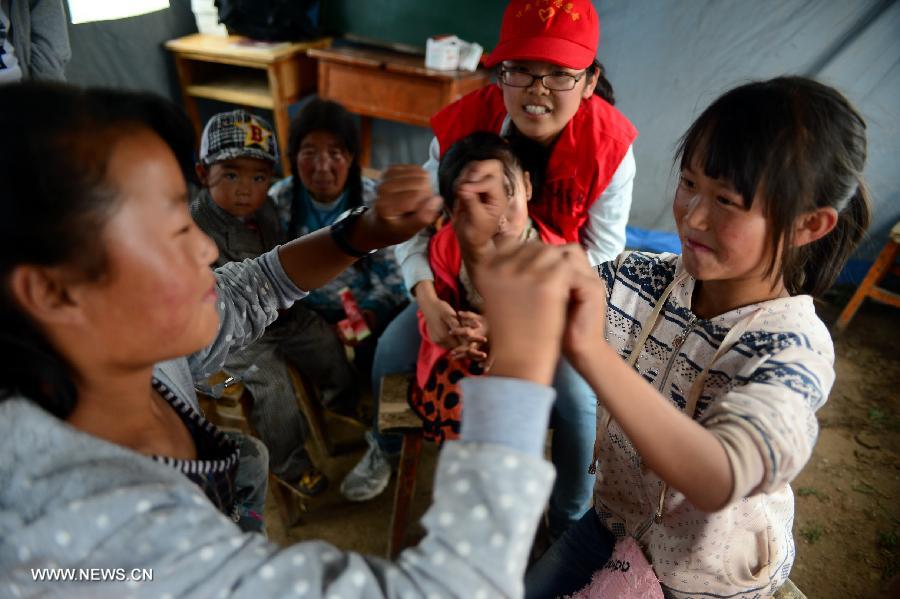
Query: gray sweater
[[41, 37], [71, 501]]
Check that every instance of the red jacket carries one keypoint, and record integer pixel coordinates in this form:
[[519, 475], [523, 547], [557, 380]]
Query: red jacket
[[445, 259], [583, 160]]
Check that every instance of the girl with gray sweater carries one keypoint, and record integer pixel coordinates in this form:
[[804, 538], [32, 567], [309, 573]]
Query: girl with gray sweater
[[110, 311]]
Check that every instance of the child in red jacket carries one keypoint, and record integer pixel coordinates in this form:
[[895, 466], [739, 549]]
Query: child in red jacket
[[436, 397]]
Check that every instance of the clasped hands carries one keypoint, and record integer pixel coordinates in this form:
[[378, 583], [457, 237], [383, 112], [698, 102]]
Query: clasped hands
[[540, 300]]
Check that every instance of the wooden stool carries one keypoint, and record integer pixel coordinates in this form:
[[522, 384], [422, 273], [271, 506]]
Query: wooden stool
[[395, 416], [311, 407], [868, 288]]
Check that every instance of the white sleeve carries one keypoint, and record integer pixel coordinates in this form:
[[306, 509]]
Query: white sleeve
[[603, 235], [433, 162], [412, 254]]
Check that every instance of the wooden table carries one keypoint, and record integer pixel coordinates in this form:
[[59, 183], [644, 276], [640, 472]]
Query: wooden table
[[231, 69], [389, 85]]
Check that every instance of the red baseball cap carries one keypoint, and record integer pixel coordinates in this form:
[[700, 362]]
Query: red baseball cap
[[563, 32]]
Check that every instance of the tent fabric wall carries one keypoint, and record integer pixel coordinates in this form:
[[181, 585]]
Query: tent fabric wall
[[129, 53], [667, 60]]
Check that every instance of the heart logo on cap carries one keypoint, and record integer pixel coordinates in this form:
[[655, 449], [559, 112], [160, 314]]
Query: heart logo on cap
[[546, 13]]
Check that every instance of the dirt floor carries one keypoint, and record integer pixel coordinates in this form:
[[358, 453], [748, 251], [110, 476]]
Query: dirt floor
[[848, 497]]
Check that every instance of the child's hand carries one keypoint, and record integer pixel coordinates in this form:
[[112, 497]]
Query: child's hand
[[440, 320], [526, 292], [586, 323], [472, 325], [472, 333], [405, 204], [471, 350], [481, 200]]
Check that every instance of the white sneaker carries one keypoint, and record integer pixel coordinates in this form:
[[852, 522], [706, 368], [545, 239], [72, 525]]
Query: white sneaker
[[370, 476]]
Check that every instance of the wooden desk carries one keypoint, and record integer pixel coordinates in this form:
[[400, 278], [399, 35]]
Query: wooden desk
[[389, 85], [271, 77]]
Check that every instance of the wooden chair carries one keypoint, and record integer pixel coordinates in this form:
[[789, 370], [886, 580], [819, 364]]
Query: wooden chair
[[395, 416], [885, 263]]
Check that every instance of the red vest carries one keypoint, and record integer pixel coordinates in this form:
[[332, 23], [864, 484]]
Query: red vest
[[583, 160]]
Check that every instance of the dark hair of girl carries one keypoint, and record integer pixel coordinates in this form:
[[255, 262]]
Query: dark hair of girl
[[533, 157], [480, 145], [603, 87], [57, 141], [796, 145], [331, 117]]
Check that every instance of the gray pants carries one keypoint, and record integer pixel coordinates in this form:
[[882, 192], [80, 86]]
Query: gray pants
[[301, 337]]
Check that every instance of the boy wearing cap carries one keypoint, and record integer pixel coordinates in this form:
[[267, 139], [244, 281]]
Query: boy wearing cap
[[238, 152], [237, 158]]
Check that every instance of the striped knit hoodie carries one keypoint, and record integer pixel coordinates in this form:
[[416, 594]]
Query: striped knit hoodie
[[759, 398]]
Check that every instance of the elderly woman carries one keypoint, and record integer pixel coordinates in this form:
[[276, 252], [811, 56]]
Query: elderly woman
[[327, 182]]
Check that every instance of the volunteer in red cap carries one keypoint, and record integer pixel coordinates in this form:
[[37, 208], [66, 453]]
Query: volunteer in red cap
[[552, 101]]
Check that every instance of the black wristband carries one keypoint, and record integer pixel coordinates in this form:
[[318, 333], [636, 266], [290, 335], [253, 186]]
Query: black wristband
[[340, 232]]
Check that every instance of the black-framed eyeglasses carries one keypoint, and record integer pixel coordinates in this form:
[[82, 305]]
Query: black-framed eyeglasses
[[558, 82]]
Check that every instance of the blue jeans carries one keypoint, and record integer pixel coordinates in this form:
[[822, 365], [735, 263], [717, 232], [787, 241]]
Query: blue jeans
[[570, 563], [573, 419], [574, 423]]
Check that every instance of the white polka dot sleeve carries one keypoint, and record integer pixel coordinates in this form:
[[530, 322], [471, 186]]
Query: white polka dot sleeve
[[71, 501], [250, 294]]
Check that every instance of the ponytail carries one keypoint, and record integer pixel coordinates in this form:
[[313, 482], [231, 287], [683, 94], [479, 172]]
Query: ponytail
[[816, 266], [603, 88]]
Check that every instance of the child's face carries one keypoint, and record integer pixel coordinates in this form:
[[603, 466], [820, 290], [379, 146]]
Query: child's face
[[512, 224], [239, 185], [721, 239], [323, 164], [157, 298], [540, 113]]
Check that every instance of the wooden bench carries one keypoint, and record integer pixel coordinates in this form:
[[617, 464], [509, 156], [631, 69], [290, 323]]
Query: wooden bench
[[884, 264], [395, 416]]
